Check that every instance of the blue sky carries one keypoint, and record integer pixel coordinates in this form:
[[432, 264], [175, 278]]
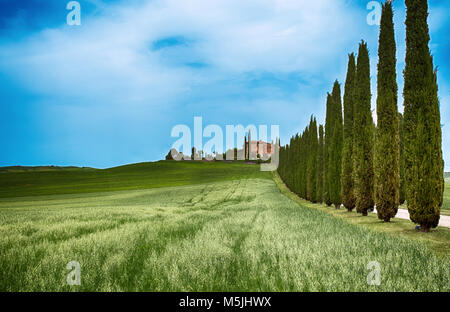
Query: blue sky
[[108, 92]]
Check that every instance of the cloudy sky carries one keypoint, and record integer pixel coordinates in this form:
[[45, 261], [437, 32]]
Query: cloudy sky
[[108, 92]]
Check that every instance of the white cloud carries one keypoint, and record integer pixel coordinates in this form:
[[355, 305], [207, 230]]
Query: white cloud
[[109, 56]]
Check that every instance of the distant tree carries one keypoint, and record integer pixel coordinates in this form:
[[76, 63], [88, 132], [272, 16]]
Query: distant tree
[[320, 173], [364, 135], [422, 128], [387, 176], [335, 147], [194, 153], [348, 192], [245, 148]]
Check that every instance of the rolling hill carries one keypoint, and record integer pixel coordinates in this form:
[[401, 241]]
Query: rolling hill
[[32, 181]]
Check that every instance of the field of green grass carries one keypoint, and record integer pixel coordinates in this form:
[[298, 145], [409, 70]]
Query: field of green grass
[[236, 230], [17, 182], [438, 240]]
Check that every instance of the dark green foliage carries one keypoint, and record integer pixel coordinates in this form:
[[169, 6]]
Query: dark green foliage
[[386, 161], [245, 148], [328, 132], [320, 172], [335, 147], [402, 190], [348, 193], [313, 148], [422, 129], [363, 132], [130, 177], [357, 163], [303, 160], [299, 163]]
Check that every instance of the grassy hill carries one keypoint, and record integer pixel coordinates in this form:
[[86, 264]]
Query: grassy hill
[[26, 181], [198, 226]]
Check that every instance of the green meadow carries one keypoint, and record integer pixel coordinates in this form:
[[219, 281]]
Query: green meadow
[[29, 181], [197, 226]]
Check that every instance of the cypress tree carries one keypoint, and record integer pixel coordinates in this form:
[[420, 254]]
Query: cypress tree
[[326, 156], [320, 174], [335, 147], [297, 168], [298, 157], [305, 143], [306, 169], [312, 151], [363, 135], [348, 196], [245, 147], [386, 162], [422, 129], [292, 164]]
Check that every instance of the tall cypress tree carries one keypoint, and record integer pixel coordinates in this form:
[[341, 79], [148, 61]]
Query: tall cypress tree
[[422, 129], [386, 162], [335, 151], [363, 134], [348, 196], [303, 165], [245, 148], [402, 190], [326, 154], [297, 160], [320, 174], [312, 151]]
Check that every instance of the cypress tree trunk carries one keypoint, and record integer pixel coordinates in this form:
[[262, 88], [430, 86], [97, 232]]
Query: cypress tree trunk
[[326, 156], [422, 129], [335, 147], [320, 175], [387, 135], [348, 196], [364, 135]]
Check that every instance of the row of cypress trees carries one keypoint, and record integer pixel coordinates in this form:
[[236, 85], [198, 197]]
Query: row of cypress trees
[[301, 163], [351, 161]]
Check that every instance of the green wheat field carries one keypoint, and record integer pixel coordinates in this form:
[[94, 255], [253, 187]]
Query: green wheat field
[[185, 226]]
